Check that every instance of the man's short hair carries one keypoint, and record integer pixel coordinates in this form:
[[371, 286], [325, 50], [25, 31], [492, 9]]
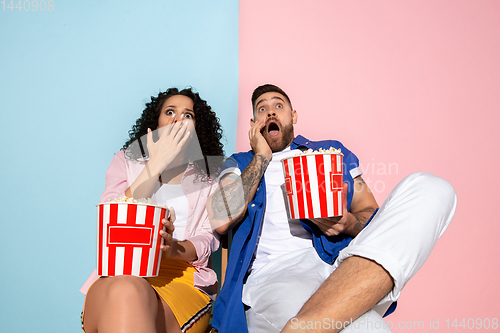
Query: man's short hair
[[259, 91]]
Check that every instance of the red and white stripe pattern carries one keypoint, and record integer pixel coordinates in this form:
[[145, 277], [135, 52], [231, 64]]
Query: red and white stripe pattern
[[128, 239], [314, 185]]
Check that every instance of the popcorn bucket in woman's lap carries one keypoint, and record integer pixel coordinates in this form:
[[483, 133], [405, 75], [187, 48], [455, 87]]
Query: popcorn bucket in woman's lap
[[313, 185], [128, 238]]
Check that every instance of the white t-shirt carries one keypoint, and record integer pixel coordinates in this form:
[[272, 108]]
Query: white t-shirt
[[172, 195], [278, 234]]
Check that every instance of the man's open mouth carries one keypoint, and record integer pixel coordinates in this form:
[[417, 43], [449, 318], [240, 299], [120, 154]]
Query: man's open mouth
[[273, 129]]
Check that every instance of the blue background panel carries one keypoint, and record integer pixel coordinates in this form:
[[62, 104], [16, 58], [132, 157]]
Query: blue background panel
[[72, 83]]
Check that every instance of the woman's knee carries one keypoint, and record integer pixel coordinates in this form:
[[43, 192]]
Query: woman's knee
[[121, 291], [114, 300], [129, 289]]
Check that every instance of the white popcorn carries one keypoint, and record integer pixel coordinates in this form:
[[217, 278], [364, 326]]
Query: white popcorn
[[321, 151], [132, 200]]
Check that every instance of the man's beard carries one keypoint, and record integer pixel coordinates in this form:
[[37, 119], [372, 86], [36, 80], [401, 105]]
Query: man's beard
[[283, 142]]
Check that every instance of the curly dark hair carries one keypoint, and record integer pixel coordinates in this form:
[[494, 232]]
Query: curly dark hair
[[207, 126]]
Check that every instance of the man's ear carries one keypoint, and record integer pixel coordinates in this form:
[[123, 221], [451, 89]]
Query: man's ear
[[295, 116], [252, 121]]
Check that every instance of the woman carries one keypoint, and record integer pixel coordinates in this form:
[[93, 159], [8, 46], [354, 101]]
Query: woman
[[164, 165]]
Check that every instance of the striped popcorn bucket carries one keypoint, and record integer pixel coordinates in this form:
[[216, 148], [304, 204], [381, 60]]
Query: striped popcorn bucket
[[314, 185], [128, 239]]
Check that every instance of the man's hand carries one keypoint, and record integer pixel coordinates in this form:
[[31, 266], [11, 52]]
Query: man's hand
[[363, 205], [227, 206], [332, 226], [258, 142]]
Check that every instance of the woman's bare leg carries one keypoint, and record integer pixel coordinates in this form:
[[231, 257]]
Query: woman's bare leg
[[126, 304], [166, 321]]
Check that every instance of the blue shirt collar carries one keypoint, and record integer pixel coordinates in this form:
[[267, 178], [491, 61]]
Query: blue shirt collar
[[299, 141]]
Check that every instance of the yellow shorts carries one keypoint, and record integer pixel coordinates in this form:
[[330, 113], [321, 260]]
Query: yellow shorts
[[174, 284]]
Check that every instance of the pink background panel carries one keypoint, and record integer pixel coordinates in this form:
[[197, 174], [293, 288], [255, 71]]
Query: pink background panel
[[408, 86]]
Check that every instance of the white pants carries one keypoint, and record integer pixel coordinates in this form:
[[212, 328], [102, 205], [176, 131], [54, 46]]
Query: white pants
[[400, 238]]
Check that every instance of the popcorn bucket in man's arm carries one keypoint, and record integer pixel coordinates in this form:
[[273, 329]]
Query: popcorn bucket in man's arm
[[313, 182], [128, 238]]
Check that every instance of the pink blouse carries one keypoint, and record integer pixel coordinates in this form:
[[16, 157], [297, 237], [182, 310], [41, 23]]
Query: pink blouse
[[122, 172]]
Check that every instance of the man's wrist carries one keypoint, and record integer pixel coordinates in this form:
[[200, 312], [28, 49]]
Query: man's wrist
[[263, 160], [353, 225], [359, 220]]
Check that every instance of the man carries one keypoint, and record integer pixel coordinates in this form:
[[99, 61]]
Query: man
[[316, 275]]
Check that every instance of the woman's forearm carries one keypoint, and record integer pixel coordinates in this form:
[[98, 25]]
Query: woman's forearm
[[144, 185], [183, 250]]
